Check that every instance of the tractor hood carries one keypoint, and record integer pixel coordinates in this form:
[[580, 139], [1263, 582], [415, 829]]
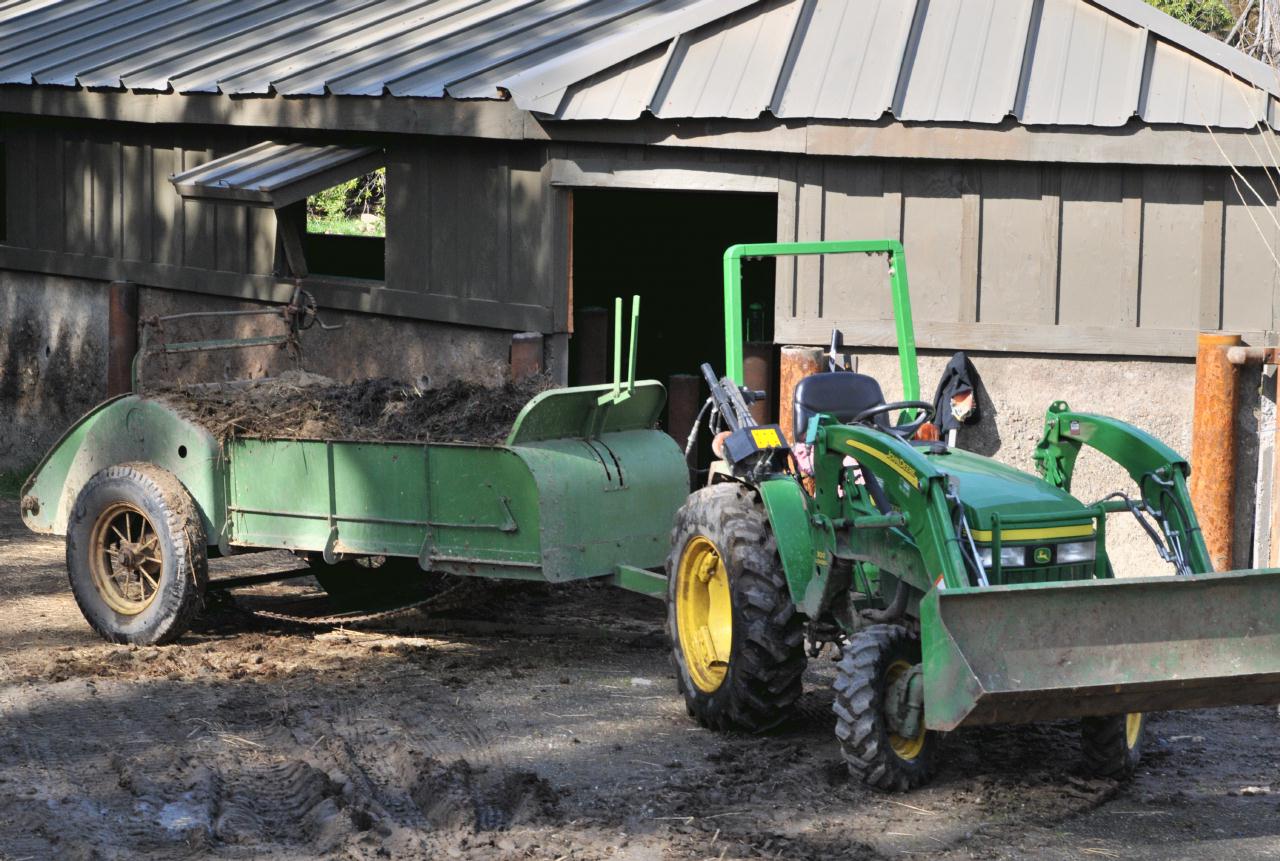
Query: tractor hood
[[988, 487]]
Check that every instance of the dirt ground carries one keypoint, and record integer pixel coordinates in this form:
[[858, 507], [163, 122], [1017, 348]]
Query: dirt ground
[[542, 723]]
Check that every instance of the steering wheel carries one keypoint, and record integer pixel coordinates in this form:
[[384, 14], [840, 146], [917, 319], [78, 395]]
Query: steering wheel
[[906, 431]]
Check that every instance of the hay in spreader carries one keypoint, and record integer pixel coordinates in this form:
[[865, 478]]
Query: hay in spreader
[[298, 405]]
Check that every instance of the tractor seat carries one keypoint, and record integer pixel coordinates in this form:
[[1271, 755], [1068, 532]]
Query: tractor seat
[[842, 394]]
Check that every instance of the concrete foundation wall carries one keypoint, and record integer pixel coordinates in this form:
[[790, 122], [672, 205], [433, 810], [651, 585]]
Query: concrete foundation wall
[[1155, 395], [53, 360]]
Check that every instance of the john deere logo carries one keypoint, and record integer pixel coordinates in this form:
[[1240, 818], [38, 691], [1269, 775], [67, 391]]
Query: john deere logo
[[1043, 555]]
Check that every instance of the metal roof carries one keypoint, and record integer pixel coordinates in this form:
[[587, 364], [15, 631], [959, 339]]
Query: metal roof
[[275, 174], [1055, 62]]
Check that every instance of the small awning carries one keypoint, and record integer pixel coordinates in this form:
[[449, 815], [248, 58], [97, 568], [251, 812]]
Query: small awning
[[276, 174]]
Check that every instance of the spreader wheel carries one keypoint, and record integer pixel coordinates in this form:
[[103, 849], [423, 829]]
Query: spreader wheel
[[136, 554], [737, 640], [1112, 746], [884, 741]]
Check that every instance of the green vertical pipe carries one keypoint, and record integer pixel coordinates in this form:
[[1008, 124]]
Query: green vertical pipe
[[635, 333], [903, 324], [617, 347], [733, 314], [899, 290]]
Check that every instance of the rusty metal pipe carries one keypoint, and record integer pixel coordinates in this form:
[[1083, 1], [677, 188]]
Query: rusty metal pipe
[[122, 336], [1213, 444], [796, 364]]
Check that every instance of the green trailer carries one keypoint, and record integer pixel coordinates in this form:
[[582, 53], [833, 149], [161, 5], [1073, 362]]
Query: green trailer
[[583, 487]]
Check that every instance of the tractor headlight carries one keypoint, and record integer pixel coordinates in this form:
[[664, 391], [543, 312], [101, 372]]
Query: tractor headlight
[[1076, 551], [1012, 557]]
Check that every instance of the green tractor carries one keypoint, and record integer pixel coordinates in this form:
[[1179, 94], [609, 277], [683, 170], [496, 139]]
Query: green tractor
[[960, 591]]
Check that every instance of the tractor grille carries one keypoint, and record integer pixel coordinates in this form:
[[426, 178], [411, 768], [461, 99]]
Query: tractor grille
[[1050, 574]]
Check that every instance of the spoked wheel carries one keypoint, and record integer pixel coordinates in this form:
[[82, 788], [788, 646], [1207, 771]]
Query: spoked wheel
[[126, 559], [136, 554], [1112, 746], [737, 639], [879, 712]]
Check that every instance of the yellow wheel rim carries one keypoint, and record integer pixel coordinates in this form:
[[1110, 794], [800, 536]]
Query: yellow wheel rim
[[905, 748], [1132, 729], [704, 613], [125, 559]]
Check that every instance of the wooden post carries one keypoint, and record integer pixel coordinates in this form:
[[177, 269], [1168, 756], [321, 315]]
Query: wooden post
[[122, 336], [526, 355], [591, 334], [757, 375], [1213, 445], [684, 399], [797, 363]]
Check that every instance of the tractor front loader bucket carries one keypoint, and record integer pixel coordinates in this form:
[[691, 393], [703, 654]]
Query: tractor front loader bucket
[[1042, 651]]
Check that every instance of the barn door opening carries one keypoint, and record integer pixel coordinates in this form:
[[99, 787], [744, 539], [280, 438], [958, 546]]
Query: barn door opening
[[667, 247]]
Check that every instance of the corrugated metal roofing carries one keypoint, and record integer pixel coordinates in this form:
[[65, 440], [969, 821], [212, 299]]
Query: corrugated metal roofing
[[275, 174], [1056, 62]]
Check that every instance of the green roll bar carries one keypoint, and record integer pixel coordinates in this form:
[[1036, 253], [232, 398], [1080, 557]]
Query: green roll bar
[[903, 326]]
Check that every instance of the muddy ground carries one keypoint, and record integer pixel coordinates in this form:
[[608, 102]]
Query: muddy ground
[[541, 724]]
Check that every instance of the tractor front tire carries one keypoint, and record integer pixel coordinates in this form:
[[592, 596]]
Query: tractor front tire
[[872, 659], [136, 555], [737, 639], [1112, 746]]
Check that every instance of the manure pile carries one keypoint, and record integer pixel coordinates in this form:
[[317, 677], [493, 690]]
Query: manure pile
[[298, 405]]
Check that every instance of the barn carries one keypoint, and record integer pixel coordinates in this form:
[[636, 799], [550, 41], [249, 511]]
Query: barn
[[1081, 187]]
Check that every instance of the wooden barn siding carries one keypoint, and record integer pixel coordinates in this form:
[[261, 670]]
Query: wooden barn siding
[[475, 234], [1024, 257]]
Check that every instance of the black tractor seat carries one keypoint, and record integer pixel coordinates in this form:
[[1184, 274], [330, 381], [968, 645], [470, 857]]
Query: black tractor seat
[[840, 394]]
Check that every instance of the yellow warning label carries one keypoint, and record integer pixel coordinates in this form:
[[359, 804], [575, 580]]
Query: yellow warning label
[[766, 438]]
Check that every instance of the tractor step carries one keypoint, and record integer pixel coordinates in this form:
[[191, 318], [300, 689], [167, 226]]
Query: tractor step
[[640, 580]]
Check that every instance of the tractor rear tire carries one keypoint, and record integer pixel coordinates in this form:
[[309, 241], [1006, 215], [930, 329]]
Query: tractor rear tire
[[137, 555], [737, 639], [1112, 746], [874, 754]]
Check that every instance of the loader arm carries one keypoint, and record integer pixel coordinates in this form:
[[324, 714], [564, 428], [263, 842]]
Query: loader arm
[[915, 487], [1159, 471]]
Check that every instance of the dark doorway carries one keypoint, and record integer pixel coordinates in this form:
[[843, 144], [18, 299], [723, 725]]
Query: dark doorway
[[667, 247]]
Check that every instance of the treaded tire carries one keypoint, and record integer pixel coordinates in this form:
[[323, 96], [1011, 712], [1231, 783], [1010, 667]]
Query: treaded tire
[[184, 573], [762, 681], [1105, 748], [865, 738]]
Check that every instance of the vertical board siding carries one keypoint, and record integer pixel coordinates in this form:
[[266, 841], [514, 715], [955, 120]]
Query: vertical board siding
[[1173, 215], [933, 231], [473, 220], [1251, 243], [1019, 245], [1095, 287], [1097, 246], [47, 197]]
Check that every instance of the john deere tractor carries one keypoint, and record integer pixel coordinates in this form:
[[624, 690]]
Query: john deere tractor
[[959, 590]]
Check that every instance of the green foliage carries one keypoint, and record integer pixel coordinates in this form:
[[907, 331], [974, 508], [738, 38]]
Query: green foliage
[[356, 207], [1209, 16]]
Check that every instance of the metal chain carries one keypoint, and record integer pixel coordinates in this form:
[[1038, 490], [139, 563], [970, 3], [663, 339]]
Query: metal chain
[[465, 588]]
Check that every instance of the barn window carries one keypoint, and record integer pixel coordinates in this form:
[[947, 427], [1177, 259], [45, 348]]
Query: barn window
[[347, 228], [316, 236]]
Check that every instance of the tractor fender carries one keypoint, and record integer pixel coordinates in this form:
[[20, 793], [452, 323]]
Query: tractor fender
[[806, 541]]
